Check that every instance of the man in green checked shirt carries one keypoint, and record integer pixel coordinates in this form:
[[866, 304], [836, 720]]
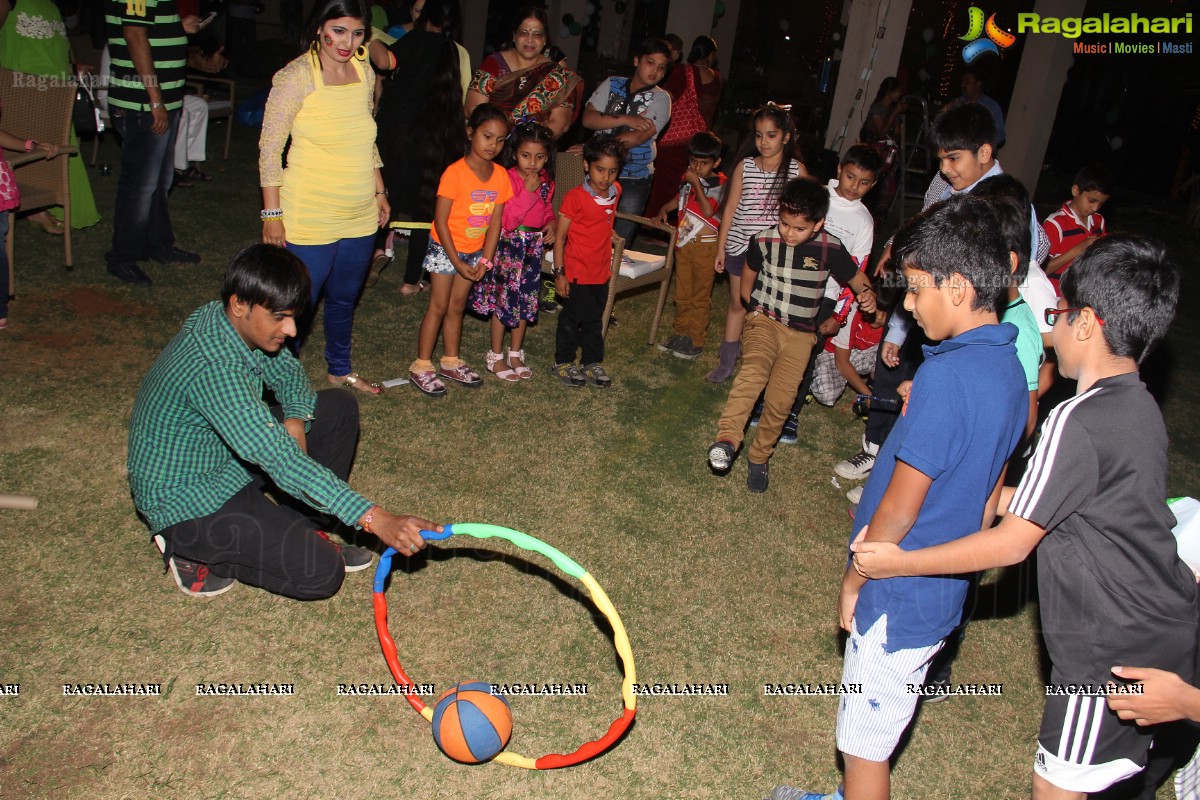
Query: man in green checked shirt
[[203, 446]]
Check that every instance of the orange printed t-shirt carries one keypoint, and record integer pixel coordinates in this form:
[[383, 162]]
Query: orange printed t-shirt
[[474, 202]]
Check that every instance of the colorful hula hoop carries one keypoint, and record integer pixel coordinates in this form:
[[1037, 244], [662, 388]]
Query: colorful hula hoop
[[565, 564]]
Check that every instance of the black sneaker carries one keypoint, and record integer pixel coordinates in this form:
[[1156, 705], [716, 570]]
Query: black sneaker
[[757, 478], [688, 350], [720, 456], [129, 272], [791, 430], [671, 344], [177, 256], [596, 376], [356, 558], [193, 578], [549, 300], [936, 691]]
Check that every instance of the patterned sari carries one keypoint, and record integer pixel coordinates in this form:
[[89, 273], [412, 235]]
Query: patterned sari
[[532, 92]]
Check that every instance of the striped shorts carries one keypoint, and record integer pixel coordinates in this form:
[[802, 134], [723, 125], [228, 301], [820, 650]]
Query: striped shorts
[[870, 723], [1085, 747]]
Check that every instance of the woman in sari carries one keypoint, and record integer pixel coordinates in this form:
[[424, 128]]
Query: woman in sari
[[525, 82]]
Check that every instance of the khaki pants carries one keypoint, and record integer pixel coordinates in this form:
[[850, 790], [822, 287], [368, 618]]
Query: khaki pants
[[773, 356], [694, 277]]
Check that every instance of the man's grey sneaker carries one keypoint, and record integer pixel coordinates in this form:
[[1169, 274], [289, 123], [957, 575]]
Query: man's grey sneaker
[[720, 455], [688, 350], [193, 578], [671, 344], [791, 430], [596, 376], [568, 374], [356, 558], [758, 478], [859, 465], [936, 691]]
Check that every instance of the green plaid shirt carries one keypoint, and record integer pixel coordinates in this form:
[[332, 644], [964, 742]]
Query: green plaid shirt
[[200, 418]]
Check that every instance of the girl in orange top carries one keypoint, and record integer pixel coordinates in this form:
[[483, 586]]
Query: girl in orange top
[[466, 230]]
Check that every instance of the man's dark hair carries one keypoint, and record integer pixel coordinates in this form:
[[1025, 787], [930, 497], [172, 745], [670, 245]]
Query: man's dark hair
[[805, 197], [652, 44], [863, 157], [705, 145], [604, 145], [1132, 285], [268, 276], [968, 126], [1011, 201], [960, 235], [1094, 178]]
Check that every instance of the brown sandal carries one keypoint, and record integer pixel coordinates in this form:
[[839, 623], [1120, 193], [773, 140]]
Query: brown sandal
[[357, 382]]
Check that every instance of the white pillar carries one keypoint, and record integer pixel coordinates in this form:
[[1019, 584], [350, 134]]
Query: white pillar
[[868, 56], [691, 18], [1040, 78], [569, 44], [725, 33]]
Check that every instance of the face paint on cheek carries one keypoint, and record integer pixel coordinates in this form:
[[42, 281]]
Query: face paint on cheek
[[328, 39]]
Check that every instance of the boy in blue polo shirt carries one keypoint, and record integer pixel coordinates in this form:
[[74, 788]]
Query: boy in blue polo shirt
[[934, 476]]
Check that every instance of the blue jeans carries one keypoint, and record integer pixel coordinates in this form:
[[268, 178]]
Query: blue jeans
[[337, 270], [634, 193], [141, 223]]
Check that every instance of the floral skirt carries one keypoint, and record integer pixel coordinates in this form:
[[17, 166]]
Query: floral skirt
[[509, 290]]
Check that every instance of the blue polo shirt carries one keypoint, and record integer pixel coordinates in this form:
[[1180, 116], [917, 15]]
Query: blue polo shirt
[[965, 413]]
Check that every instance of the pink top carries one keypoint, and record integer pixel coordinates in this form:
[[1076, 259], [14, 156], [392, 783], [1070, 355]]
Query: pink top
[[531, 209], [10, 196]]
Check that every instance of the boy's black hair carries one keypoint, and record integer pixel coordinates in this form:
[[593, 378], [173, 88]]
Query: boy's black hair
[[604, 145], [960, 235], [805, 197], [268, 276], [1132, 285], [1094, 178], [968, 126], [1012, 207], [652, 44], [863, 157], [705, 145]]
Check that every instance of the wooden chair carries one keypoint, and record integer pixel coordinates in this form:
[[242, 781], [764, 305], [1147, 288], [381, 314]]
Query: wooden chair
[[221, 95], [619, 283], [37, 108], [16, 160]]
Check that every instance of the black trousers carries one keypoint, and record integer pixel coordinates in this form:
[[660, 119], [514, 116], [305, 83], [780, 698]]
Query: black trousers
[[580, 322], [881, 421], [274, 546]]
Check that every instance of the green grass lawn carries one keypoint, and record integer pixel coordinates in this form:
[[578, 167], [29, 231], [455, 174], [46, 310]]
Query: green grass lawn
[[714, 585]]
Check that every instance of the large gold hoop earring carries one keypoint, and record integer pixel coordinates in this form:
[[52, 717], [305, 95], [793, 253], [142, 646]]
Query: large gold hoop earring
[[361, 52]]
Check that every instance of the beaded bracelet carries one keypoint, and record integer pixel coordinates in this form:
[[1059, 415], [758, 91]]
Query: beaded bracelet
[[271, 213], [368, 519], [29, 145]]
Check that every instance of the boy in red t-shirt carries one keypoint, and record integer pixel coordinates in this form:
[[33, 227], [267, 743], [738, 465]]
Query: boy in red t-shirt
[[1074, 227], [583, 264]]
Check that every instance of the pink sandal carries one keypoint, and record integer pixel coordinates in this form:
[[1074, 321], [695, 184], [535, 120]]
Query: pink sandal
[[461, 374], [427, 382], [521, 371], [505, 374]]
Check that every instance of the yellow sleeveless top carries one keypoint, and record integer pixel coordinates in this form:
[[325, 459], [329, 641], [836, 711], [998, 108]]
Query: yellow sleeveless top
[[328, 190]]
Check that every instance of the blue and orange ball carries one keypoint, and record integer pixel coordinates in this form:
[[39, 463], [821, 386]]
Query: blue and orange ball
[[470, 724]]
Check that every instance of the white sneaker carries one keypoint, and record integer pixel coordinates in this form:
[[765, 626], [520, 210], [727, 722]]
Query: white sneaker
[[860, 464], [855, 494]]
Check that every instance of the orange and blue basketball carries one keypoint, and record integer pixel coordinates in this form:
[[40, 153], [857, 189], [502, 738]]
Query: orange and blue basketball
[[470, 724]]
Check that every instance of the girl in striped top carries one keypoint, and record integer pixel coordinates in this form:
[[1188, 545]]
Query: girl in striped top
[[766, 163]]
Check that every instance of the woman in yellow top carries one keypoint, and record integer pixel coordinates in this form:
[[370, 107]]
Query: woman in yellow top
[[327, 203]]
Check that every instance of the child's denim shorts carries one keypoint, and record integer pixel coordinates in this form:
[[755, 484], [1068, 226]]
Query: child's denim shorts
[[437, 262]]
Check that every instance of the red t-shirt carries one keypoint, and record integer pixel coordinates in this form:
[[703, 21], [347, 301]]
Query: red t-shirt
[[1065, 230], [587, 253]]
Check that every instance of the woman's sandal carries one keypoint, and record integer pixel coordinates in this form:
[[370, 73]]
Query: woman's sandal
[[504, 374], [427, 383], [521, 371], [49, 224], [357, 382], [194, 174], [378, 263], [409, 289]]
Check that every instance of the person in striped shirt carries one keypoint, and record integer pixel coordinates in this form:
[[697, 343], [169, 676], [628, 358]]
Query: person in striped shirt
[[1093, 502]]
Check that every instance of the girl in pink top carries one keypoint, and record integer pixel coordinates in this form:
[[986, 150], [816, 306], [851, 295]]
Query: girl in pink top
[[509, 292]]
